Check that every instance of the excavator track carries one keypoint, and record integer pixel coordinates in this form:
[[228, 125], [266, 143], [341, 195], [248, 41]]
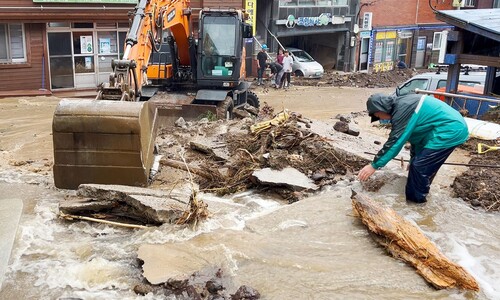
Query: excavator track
[[101, 141]]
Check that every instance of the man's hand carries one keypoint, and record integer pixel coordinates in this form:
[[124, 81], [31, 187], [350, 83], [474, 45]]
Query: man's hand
[[366, 172]]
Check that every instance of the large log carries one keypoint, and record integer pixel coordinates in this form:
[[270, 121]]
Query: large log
[[405, 241]]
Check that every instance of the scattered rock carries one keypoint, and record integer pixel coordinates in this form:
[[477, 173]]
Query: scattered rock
[[245, 293], [181, 123]]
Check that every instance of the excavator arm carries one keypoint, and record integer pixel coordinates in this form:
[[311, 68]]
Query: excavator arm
[[151, 18]]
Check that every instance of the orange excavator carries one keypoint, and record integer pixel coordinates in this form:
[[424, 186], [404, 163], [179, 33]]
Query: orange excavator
[[165, 73]]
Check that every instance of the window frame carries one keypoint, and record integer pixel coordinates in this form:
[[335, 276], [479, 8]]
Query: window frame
[[9, 60], [297, 4], [469, 3], [437, 39]]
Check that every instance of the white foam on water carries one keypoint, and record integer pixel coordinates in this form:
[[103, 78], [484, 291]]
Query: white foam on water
[[248, 205], [292, 223], [95, 274], [486, 270]]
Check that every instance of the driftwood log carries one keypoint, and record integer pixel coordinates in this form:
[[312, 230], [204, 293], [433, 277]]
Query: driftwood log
[[405, 241]]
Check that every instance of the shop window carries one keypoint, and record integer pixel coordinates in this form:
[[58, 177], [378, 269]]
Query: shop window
[[107, 42], [436, 42], [59, 25], [12, 43], [379, 47], [83, 43], [82, 25], [389, 51], [84, 64], [496, 4], [106, 25], [469, 3]]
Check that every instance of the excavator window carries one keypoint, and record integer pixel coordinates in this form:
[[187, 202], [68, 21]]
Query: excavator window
[[219, 45]]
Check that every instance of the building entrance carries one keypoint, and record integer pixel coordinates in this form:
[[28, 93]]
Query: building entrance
[[80, 54]]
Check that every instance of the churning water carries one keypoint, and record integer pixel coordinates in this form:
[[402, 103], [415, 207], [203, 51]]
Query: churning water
[[312, 249]]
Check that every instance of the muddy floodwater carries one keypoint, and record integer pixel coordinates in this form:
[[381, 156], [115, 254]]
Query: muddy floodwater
[[312, 249]]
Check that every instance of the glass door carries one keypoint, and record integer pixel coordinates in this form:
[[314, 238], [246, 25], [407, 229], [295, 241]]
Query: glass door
[[83, 48], [60, 60]]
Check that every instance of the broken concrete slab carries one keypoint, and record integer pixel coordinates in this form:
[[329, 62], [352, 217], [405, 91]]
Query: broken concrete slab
[[155, 209], [145, 205], [113, 192], [172, 261], [287, 177], [76, 205]]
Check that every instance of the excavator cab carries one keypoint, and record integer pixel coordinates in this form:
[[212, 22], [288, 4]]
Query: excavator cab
[[221, 49]]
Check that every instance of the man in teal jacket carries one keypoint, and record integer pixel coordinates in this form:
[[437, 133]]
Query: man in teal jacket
[[432, 127]]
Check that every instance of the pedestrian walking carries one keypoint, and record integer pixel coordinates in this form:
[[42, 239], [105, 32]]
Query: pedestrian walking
[[261, 64], [433, 128], [287, 69]]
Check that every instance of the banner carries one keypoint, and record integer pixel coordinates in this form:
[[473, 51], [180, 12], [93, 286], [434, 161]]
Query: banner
[[251, 9], [88, 1]]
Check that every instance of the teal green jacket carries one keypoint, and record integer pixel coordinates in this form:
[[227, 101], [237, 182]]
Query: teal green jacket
[[424, 121]]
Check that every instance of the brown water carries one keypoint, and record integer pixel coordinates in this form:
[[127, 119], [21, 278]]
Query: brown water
[[312, 249]]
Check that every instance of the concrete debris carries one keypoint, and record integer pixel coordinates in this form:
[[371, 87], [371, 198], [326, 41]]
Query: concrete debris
[[251, 109], [289, 177], [239, 113], [144, 205], [181, 123], [345, 127]]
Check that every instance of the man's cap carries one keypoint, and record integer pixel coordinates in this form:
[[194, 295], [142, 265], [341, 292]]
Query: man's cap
[[264, 46], [378, 103], [374, 118]]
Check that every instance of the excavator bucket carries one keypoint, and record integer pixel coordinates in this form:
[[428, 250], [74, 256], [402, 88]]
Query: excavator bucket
[[101, 141]]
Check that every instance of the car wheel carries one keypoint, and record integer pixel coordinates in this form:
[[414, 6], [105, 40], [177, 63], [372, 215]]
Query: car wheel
[[299, 73]]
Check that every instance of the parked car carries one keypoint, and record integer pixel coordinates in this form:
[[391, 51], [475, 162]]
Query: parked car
[[304, 64], [432, 81]]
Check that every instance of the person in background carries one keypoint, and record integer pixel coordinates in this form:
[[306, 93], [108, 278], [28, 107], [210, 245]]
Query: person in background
[[433, 128], [261, 64], [401, 64], [279, 57], [287, 69], [277, 72]]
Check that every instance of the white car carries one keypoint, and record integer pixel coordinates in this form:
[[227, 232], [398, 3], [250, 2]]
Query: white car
[[304, 64], [432, 81]]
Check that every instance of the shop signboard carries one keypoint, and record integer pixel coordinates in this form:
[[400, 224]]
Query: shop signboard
[[251, 9], [88, 1]]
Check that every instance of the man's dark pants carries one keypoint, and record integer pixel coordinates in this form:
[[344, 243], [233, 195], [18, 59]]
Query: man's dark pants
[[423, 168]]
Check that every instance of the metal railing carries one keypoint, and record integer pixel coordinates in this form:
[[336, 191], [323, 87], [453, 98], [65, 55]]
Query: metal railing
[[465, 102]]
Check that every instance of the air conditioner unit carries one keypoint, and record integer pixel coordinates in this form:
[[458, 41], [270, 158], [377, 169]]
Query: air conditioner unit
[[458, 3], [367, 21]]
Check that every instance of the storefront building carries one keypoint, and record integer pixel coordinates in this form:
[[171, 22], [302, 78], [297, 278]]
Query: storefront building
[[412, 45], [60, 44], [65, 44], [322, 28]]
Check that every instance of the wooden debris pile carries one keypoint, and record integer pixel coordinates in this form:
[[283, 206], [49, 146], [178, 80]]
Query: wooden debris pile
[[406, 241], [284, 141]]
